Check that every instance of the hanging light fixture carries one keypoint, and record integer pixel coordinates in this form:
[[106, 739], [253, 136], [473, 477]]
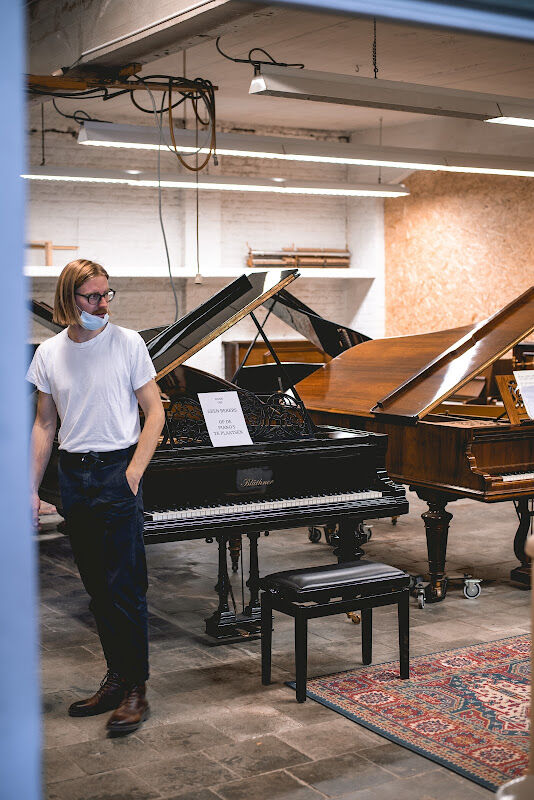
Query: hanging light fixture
[[326, 87], [216, 183], [142, 137]]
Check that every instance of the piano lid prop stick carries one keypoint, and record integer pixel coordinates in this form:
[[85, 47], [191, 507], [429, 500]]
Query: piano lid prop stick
[[523, 788]]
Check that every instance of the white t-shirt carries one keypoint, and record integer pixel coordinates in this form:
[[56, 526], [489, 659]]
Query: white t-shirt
[[92, 384]]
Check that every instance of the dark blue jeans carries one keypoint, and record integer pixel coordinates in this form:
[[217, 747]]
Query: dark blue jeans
[[105, 525]]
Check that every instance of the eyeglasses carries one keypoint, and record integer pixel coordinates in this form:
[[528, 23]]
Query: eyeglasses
[[95, 297]]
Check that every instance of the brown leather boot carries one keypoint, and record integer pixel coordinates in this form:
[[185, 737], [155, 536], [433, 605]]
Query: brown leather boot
[[109, 695], [133, 710]]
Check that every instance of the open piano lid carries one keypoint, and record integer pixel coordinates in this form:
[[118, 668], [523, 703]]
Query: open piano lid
[[406, 377], [201, 326], [42, 313], [331, 337]]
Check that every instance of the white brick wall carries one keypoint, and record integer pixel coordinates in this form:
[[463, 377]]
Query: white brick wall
[[120, 226]]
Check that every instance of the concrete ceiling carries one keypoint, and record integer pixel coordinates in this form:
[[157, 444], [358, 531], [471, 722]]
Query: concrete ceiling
[[344, 45], [320, 41]]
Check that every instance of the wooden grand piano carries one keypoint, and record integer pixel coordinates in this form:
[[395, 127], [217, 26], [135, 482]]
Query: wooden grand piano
[[293, 474], [401, 386]]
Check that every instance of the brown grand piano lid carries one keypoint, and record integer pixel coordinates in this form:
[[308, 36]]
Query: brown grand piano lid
[[199, 327], [408, 376]]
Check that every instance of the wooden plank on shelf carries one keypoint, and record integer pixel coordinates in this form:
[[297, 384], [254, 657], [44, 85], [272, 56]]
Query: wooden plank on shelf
[[48, 248], [300, 257]]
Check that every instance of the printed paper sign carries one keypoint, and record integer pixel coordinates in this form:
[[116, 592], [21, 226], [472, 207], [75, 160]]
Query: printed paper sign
[[224, 418], [525, 384]]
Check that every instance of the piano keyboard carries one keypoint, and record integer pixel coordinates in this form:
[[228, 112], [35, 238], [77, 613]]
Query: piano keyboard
[[518, 476], [262, 506]]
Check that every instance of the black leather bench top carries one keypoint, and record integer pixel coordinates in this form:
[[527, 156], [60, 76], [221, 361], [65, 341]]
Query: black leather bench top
[[352, 574]]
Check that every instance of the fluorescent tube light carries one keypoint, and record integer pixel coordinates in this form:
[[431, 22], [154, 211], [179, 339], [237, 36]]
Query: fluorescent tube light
[[326, 87], [523, 123], [103, 134], [219, 182]]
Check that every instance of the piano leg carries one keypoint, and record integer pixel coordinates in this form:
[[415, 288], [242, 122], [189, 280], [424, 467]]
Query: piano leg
[[234, 546], [253, 609], [222, 622], [347, 541], [521, 574], [437, 522]]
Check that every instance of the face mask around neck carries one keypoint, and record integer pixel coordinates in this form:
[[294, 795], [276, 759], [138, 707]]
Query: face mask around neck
[[91, 322]]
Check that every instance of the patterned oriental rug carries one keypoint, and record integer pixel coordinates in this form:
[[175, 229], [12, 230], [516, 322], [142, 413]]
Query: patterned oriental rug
[[466, 709]]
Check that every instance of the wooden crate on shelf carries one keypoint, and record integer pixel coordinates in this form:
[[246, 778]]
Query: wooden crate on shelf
[[299, 258]]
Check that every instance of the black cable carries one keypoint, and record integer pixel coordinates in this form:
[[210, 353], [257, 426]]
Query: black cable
[[42, 136], [146, 110], [80, 115], [158, 121], [160, 213], [164, 235], [255, 62], [69, 95], [197, 89], [68, 132], [196, 199], [375, 67]]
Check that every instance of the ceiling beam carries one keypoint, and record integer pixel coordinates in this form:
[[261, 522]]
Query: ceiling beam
[[57, 84], [114, 34]]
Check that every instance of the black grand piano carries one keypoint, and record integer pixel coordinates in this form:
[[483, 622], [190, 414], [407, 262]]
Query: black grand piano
[[293, 474]]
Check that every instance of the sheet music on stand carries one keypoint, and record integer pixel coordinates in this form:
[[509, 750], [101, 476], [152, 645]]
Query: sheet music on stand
[[224, 417], [525, 383]]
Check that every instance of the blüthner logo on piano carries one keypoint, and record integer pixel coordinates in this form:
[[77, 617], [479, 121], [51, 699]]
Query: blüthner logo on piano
[[257, 482]]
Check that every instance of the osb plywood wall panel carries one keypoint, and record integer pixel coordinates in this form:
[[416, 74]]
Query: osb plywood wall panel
[[457, 249]]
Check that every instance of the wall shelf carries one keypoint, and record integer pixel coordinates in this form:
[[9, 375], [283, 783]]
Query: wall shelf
[[207, 274]]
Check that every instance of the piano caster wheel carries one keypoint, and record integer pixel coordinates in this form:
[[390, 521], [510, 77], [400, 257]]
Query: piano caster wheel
[[354, 617], [472, 588], [416, 581], [418, 589], [394, 520], [314, 535], [425, 592], [365, 532]]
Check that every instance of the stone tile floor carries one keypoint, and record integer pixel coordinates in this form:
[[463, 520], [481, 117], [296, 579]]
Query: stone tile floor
[[215, 732]]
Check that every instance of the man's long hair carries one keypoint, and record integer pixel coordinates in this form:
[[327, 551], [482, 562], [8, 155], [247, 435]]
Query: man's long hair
[[71, 278]]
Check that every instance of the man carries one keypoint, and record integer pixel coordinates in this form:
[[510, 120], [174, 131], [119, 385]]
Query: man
[[93, 375]]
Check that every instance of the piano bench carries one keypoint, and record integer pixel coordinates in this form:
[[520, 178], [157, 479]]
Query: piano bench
[[332, 589]]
